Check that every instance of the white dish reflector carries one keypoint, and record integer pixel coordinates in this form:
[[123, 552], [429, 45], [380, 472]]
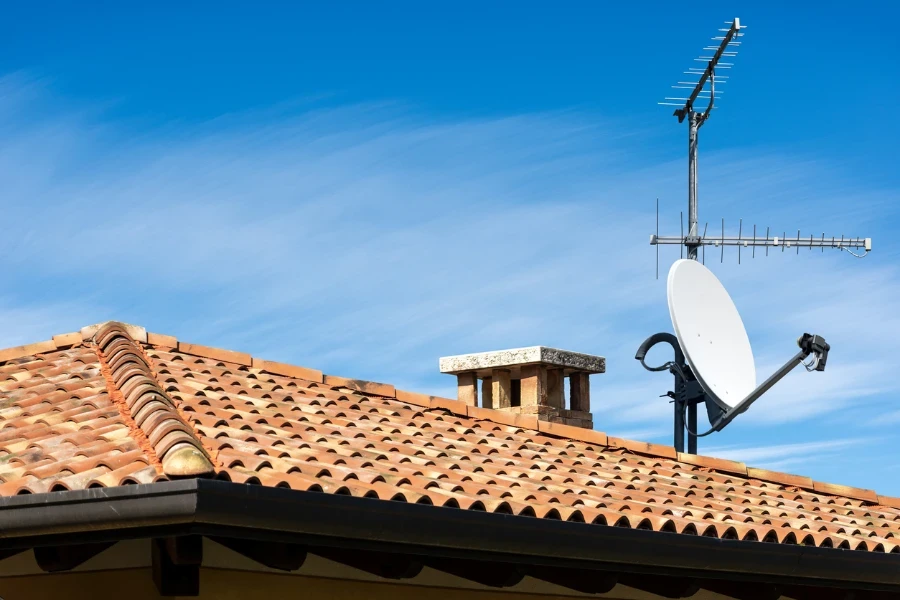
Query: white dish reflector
[[711, 333]]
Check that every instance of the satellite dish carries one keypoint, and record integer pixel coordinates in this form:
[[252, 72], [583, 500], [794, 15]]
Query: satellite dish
[[710, 333], [713, 360]]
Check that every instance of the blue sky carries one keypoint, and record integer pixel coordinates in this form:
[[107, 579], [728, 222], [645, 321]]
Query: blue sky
[[364, 189]]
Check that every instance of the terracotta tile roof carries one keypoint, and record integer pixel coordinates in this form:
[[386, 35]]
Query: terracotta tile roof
[[114, 405]]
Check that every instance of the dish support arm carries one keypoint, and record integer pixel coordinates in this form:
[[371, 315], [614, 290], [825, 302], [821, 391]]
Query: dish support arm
[[809, 344]]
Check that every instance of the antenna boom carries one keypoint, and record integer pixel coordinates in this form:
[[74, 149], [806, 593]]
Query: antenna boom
[[733, 31], [798, 242]]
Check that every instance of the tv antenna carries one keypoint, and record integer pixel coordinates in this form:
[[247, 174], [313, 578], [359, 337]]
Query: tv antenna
[[690, 389], [703, 83]]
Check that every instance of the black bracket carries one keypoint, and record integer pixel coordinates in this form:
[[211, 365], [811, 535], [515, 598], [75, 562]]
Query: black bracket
[[687, 393]]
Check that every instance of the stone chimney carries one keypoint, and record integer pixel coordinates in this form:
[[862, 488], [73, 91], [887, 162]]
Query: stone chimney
[[528, 381]]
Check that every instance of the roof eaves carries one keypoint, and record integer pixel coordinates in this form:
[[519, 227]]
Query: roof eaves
[[210, 507]]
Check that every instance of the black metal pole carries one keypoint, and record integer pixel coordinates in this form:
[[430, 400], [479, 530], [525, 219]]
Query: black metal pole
[[679, 424], [693, 125], [692, 426]]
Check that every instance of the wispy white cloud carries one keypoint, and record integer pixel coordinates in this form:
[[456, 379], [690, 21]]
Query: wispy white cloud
[[23, 323], [780, 456], [886, 419]]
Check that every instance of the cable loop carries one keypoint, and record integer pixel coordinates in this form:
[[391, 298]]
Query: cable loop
[[852, 253], [693, 433], [812, 365]]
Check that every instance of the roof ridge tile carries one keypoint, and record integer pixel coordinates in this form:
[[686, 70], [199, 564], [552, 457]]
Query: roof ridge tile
[[416, 398], [891, 501], [239, 358], [835, 489], [648, 448], [722, 465], [136, 332], [572, 432], [787, 479], [158, 339], [495, 416], [146, 407], [361, 385], [15, 352], [277, 368], [67, 340]]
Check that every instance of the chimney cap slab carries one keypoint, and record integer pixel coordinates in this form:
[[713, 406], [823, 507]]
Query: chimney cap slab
[[482, 363]]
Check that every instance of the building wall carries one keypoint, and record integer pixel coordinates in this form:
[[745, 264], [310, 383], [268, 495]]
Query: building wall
[[223, 584], [123, 572]]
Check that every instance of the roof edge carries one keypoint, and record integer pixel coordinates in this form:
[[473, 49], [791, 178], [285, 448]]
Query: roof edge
[[456, 407], [58, 342], [210, 507]]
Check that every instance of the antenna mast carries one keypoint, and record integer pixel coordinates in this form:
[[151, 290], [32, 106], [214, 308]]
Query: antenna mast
[[696, 120], [688, 393]]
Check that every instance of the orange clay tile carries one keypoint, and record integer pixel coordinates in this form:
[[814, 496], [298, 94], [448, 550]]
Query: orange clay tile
[[718, 464], [843, 490], [782, 478], [568, 431], [158, 339], [67, 340], [108, 413], [889, 501], [369, 387], [516, 420], [137, 333], [150, 413], [29, 350], [278, 368], [415, 398], [216, 353], [453, 406], [643, 447]]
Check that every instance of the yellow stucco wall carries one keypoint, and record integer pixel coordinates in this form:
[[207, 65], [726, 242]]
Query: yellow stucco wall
[[221, 584]]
